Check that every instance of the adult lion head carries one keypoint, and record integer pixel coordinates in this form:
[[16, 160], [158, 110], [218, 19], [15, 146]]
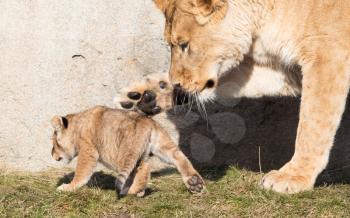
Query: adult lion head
[[207, 38]]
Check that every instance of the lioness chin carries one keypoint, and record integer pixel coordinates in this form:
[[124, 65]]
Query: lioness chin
[[209, 38], [123, 141]]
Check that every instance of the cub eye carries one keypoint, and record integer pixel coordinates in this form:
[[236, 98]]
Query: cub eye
[[162, 84], [183, 46]]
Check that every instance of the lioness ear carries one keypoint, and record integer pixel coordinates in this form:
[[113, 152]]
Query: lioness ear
[[58, 123], [161, 4], [211, 10]]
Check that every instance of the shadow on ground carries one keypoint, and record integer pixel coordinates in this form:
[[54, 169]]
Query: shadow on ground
[[270, 126], [106, 181], [99, 179]]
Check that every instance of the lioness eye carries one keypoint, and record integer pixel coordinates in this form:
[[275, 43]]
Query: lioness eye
[[183, 46]]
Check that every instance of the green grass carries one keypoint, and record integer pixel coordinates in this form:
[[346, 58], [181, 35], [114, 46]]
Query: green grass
[[236, 194]]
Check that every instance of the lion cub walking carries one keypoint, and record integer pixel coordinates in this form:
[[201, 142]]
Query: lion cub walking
[[123, 141]]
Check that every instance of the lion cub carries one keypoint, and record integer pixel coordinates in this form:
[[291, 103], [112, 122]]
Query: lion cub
[[123, 141]]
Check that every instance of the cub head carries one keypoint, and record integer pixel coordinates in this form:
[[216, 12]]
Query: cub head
[[62, 140], [201, 43]]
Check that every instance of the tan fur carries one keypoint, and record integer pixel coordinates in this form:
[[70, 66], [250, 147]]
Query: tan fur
[[247, 80], [119, 140], [275, 34]]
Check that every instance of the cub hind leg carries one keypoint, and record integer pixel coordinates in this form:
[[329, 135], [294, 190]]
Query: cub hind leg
[[125, 168], [132, 151], [168, 151]]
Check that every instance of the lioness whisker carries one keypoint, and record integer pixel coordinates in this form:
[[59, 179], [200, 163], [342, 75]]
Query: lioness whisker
[[203, 108], [190, 99]]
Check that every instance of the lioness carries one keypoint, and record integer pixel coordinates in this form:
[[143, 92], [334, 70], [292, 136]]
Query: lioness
[[118, 139], [210, 37]]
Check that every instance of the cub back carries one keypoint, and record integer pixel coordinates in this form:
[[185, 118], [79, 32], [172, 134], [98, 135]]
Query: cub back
[[114, 134]]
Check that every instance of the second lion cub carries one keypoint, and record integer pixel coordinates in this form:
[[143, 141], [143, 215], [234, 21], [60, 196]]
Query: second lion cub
[[122, 141]]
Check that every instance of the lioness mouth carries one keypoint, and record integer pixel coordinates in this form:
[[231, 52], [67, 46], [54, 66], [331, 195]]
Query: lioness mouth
[[180, 96]]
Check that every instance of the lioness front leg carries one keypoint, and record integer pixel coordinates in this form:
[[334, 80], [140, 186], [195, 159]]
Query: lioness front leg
[[87, 162], [324, 92]]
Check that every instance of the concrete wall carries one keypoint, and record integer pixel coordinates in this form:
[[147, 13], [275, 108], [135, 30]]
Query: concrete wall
[[61, 56]]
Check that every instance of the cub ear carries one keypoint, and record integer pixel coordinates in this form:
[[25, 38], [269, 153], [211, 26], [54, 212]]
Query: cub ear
[[58, 123], [161, 4], [210, 10]]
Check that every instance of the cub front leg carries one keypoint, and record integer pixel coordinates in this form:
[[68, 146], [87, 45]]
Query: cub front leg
[[87, 162], [324, 91]]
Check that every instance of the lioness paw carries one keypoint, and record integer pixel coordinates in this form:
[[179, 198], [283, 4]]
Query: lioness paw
[[284, 182], [195, 184]]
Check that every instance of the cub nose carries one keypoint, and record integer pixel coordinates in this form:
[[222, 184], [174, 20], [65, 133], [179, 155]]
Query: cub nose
[[59, 159], [210, 84]]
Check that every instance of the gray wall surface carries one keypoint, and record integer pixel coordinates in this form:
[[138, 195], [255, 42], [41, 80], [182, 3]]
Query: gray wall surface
[[114, 42]]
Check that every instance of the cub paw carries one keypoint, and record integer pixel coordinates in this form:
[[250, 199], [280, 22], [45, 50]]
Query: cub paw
[[65, 188], [151, 96], [195, 184], [138, 193], [148, 103], [141, 194], [284, 182]]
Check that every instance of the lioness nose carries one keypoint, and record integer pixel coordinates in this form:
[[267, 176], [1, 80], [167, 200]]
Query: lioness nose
[[210, 84], [59, 159], [177, 86]]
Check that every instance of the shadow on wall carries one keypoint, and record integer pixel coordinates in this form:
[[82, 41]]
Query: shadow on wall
[[254, 134]]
